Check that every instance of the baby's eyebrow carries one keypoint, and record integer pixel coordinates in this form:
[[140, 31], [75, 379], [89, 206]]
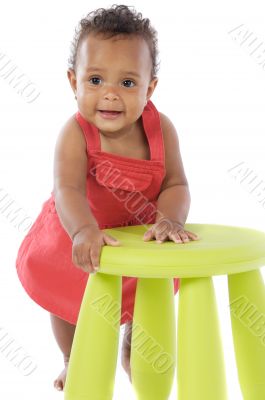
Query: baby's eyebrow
[[90, 69]]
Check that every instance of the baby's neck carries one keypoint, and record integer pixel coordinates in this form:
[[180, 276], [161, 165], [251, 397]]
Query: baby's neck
[[121, 134]]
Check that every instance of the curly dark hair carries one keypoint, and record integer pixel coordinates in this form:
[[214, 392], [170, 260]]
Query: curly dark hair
[[118, 19]]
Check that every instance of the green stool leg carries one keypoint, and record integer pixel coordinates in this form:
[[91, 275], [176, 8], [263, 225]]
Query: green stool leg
[[153, 346], [93, 359], [247, 309], [200, 361]]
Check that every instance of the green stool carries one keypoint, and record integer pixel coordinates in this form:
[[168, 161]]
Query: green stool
[[235, 251]]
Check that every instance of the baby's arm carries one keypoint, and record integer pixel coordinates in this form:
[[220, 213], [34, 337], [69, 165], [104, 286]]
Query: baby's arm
[[174, 198], [70, 171]]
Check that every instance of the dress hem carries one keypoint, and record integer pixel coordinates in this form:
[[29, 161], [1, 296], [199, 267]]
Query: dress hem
[[46, 305]]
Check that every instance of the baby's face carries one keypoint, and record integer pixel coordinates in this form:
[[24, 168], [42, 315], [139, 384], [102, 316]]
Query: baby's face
[[112, 74]]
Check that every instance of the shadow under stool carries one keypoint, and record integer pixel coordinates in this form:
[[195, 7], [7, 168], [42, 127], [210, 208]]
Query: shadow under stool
[[196, 353]]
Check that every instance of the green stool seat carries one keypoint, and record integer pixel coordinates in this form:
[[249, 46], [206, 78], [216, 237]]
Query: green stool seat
[[235, 251]]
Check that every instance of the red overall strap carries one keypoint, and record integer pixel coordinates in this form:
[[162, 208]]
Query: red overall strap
[[89, 132], [152, 127]]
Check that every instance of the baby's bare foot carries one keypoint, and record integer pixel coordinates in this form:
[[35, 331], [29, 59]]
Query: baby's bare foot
[[60, 381], [126, 349]]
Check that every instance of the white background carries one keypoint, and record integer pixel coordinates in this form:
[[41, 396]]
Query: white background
[[210, 87]]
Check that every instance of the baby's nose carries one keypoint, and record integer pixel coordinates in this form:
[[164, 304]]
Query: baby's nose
[[111, 95]]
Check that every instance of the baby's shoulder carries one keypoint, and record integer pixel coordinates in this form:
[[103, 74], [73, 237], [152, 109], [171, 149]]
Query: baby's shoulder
[[71, 133], [175, 174], [168, 129], [70, 157]]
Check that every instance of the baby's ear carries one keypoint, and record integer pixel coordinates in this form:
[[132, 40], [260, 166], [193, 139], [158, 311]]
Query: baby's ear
[[151, 87], [72, 79]]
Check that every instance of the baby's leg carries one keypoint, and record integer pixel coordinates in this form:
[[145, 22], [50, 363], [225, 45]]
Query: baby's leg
[[126, 349], [64, 334]]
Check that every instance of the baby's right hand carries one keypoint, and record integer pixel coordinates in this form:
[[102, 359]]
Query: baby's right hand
[[86, 249]]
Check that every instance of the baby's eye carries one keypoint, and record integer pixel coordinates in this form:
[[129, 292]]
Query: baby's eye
[[128, 80], [94, 80]]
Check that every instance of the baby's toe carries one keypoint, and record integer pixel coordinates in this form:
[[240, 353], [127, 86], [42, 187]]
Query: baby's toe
[[58, 384]]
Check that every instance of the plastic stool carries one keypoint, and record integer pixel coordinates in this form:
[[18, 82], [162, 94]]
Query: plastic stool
[[235, 251]]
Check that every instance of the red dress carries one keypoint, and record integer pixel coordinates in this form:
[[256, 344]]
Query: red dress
[[121, 191]]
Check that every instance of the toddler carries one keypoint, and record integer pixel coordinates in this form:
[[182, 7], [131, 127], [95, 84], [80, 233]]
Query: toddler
[[116, 163]]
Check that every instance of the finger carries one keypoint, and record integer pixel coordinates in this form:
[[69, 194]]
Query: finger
[[94, 256], [148, 235], [174, 237], [81, 259], [160, 238], [110, 240], [77, 259], [86, 262], [184, 237], [192, 235]]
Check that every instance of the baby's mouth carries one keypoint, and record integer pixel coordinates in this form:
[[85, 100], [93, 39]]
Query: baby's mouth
[[110, 112]]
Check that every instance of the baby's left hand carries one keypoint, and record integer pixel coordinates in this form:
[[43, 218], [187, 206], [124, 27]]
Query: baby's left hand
[[168, 229]]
